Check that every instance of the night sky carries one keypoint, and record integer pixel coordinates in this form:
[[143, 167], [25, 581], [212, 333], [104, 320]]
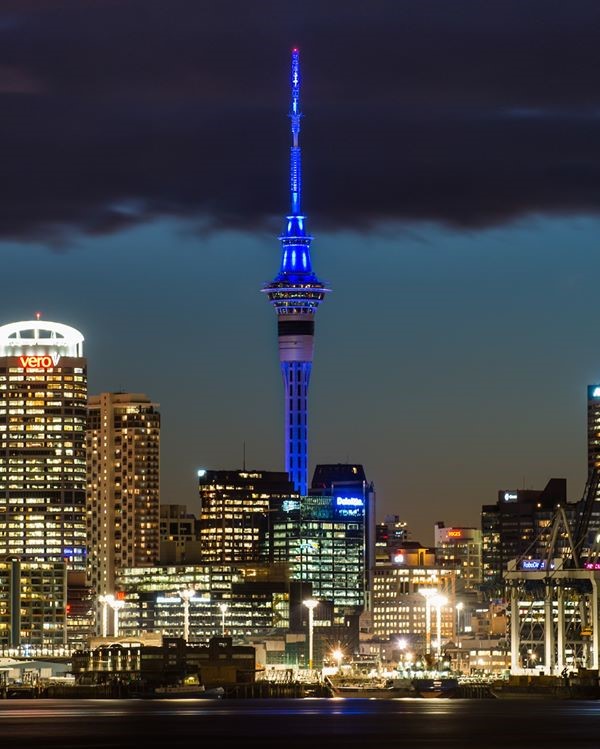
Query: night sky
[[451, 155]]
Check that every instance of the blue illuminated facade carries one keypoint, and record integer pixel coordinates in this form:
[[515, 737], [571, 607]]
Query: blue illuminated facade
[[296, 293], [322, 539]]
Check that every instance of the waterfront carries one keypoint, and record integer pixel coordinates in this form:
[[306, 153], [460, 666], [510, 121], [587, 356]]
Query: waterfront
[[307, 723]]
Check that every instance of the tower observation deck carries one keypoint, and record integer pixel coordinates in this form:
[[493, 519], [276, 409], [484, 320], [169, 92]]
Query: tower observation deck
[[296, 293]]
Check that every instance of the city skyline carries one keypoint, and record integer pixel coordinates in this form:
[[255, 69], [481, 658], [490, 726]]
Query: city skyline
[[450, 164]]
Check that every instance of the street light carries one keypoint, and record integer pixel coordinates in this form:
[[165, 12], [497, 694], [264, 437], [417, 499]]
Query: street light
[[401, 644], [428, 594], [459, 607], [116, 605], [223, 609], [439, 601], [337, 656], [186, 596], [311, 605], [105, 601]]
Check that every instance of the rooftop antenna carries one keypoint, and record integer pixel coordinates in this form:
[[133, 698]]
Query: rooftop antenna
[[244, 455]]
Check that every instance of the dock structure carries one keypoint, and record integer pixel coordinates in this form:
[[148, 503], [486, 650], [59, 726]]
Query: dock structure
[[554, 617]]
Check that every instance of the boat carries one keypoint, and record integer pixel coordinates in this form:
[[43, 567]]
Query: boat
[[380, 689], [443, 686], [191, 691]]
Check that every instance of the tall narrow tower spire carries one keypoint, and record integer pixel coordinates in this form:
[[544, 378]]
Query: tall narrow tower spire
[[296, 293]]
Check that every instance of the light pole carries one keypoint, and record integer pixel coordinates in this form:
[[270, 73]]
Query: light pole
[[311, 605], [117, 604], [428, 594], [105, 601], [186, 596], [438, 602], [401, 643], [223, 609], [459, 607]]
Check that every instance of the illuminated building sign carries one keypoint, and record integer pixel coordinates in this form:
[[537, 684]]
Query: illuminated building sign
[[592, 565], [349, 506], [454, 534], [399, 559], [47, 361], [596, 392], [510, 496], [349, 502], [533, 564]]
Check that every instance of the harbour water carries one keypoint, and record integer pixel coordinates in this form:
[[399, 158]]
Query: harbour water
[[293, 723]]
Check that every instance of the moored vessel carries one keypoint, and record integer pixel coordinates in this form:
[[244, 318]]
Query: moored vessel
[[373, 688], [443, 686]]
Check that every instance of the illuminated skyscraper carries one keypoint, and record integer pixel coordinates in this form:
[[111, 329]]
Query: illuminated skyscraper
[[123, 495], [43, 398], [296, 293], [235, 511]]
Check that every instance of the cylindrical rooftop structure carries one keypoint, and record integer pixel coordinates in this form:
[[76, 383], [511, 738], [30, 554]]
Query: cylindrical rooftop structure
[[33, 337]]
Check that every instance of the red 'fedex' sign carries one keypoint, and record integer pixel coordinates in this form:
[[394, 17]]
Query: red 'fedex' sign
[[39, 362]]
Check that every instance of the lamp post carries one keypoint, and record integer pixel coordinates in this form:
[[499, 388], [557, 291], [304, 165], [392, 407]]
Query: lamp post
[[116, 605], [459, 607], [186, 596], [428, 594], [439, 601], [105, 601], [311, 605], [223, 609]]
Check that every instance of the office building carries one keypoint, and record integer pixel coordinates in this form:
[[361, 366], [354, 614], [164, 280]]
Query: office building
[[43, 396], [460, 548], [179, 533], [592, 510], [296, 294], [32, 606], [235, 513], [390, 535], [323, 540], [349, 481], [399, 603], [519, 525], [222, 599], [123, 491]]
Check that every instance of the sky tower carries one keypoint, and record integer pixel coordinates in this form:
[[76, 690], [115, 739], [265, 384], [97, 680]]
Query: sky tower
[[296, 293]]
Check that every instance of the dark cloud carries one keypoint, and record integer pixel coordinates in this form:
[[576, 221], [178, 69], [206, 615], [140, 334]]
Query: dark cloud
[[468, 113]]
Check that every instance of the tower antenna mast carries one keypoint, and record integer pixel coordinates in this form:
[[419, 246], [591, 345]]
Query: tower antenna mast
[[296, 293]]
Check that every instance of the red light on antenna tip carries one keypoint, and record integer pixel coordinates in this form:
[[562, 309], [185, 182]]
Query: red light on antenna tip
[[38, 315]]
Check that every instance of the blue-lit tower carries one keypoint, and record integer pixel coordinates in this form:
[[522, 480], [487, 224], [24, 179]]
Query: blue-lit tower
[[296, 293]]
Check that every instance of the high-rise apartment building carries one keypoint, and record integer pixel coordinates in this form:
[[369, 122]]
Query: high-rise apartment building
[[296, 294], [123, 490], [43, 398], [235, 513]]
